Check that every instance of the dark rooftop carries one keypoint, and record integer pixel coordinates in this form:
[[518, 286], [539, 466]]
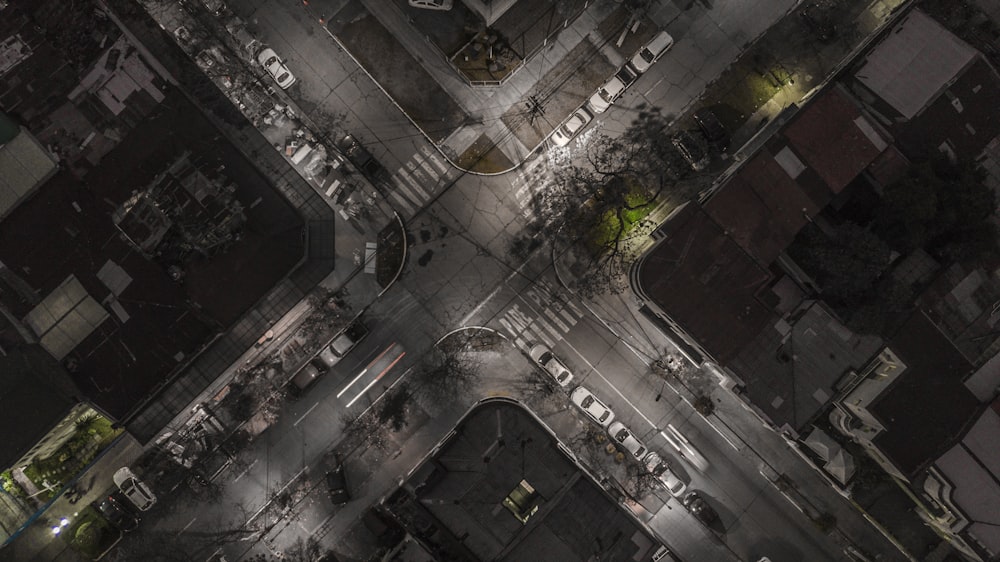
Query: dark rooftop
[[762, 208], [927, 408], [964, 115], [706, 283], [463, 486], [66, 229], [790, 374]]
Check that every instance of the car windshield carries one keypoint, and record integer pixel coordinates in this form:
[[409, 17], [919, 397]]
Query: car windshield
[[270, 61], [544, 359], [282, 77], [647, 55], [587, 401]]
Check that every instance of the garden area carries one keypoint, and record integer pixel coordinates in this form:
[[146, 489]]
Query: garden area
[[92, 434], [89, 534]]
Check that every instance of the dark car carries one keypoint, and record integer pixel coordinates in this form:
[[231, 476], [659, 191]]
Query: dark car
[[715, 133], [112, 510], [364, 160], [692, 149], [336, 484], [700, 509]]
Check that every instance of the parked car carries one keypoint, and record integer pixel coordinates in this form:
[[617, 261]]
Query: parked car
[[624, 437], [654, 49], [715, 133], [663, 553], [306, 376], [364, 160], [691, 150], [138, 493], [576, 122], [661, 469], [274, 66], [247, 42], [215, 7], [433, 4], [542, 355], [350, 337], [607, 94], [336, 485], [594, 408], [112, 510], [326, 357], [700, 508]]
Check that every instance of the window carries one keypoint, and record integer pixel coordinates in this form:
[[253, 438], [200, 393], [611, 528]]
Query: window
[[523, 501]]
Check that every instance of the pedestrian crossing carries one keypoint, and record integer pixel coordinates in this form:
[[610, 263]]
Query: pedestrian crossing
[[417, 180], [538, 316], [529, 183]]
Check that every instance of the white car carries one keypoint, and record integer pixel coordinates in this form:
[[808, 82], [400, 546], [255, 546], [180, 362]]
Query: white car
[[576, 122], [652, 52], [624, 437], [442, 5], [133, 488], [276, 68], [661, 469], [586, 401], [542, 355], [607, 94]]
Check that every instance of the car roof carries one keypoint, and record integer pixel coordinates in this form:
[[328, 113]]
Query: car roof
[[660, 41]]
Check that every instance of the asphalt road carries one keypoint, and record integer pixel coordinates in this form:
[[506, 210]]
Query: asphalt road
[[462, 273]]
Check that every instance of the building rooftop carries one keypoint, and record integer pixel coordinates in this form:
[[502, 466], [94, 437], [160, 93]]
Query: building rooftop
[[964, 116], [973, 468], [706, 283], [913, 64], [152, 321], [928, 406], [499, 461], [791, 369]]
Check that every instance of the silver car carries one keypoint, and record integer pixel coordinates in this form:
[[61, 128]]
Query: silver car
[[624, 437], [133, 488], [542, 355], [274, 66], [572, 126], [652, 52], [597, 410], [661, 469]]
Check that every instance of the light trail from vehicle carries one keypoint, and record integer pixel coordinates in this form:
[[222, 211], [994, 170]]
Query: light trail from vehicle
[[376, 379], [365, 370]]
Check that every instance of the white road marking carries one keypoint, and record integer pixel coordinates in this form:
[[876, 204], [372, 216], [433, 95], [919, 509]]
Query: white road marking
[[413, 194], [244, 473], [555, 320], [403, 201], [320, 526], [627, 401], [427, 167], [305, 414], [654, 87], [191, 522]]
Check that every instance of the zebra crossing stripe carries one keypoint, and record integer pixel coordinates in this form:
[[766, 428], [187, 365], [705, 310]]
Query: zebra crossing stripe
[[538, 335], [429, 154], [569, 317], [412, 194], [427, 167], [403, 202], [409, 177], [541, 321], [555, 320]]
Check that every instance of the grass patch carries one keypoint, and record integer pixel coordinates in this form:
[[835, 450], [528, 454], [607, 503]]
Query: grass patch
[[485, 157], [90, 534], [605, 232], [92, 434]]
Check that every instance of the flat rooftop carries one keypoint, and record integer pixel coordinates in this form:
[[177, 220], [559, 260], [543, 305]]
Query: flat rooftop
[[153, 322], [500, 451]]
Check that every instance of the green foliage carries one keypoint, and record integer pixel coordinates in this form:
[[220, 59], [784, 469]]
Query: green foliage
[[942, 207], [90, 534], [11, 486], [846, 263]]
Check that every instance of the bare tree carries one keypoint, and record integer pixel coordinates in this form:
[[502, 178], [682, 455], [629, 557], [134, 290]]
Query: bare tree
[[447, 374], [595, 209]]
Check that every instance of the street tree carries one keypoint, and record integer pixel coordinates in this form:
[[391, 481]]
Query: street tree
[[448, 372], [596, 208]]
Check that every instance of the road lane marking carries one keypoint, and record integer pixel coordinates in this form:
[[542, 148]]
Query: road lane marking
[[613, 387], [244, 473], [654, 87], [376, 379], [365, 370], [305, 414], [191, 522]]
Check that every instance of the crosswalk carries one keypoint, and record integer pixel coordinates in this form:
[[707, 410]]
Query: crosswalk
[[417, 180], [536, 316]]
